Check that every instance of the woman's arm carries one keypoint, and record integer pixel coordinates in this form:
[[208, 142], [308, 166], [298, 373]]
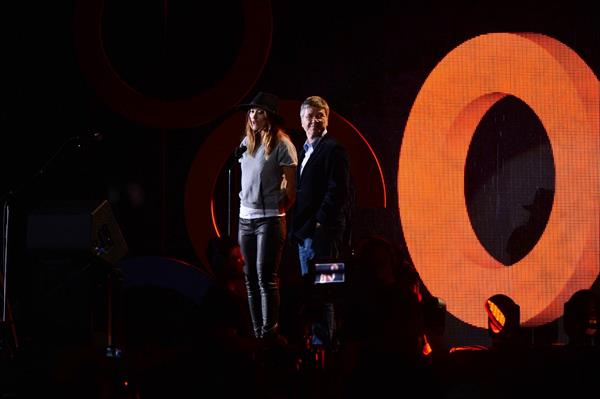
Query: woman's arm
[[288, 187]]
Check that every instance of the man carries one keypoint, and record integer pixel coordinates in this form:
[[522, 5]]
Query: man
[[322, 193]]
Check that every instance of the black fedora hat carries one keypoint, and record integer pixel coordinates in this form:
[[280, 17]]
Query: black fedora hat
[[267, 101]]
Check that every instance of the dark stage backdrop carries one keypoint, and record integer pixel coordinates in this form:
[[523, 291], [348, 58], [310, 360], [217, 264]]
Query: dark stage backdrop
[[156, 79]]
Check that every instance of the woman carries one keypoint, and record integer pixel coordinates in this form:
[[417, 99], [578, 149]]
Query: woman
[[268, 169]]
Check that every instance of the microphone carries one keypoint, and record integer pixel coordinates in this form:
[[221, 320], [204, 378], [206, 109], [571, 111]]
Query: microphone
[[74, 143], [239, 152], [88, 139]]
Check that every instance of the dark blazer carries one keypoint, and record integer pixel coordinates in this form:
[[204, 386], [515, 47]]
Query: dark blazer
[[322, 190]]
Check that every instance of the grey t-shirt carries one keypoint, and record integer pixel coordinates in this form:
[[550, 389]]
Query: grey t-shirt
[[262, 178]]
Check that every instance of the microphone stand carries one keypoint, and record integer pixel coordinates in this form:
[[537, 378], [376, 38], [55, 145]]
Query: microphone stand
[[229, 199], [7, 317], [7, 350], [232, 161], [235, 156]]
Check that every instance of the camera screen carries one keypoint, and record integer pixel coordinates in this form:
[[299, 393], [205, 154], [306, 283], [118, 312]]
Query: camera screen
[[330, 273]]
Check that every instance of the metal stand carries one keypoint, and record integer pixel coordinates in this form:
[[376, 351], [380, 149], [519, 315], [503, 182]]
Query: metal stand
[[112, 350], [229, 200], [7, 319], [237, 154], [8, 342], [5, 220]]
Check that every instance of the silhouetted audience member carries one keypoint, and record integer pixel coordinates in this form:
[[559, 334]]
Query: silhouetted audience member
[[581, 318], [225, 304], [230, 348], [241, 364], [384, 325]]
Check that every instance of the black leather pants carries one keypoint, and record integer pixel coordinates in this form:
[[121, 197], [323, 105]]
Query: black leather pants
[[261, 241]]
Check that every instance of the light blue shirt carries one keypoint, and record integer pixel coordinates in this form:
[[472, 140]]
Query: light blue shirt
[[309, 148]]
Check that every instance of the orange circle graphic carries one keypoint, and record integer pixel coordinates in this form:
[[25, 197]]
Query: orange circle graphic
[[564, 93], [172, 114]]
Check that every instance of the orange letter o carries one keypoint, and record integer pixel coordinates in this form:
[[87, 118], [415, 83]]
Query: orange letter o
[[564, 93]]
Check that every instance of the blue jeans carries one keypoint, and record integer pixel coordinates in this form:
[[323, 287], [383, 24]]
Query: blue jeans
[[325, 243], [305, 253], [261, 242]]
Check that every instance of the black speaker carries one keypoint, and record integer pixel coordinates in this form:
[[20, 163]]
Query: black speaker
[[67, 227]]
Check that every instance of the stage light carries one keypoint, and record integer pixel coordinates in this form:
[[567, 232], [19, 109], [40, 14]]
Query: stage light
[[504, 318]]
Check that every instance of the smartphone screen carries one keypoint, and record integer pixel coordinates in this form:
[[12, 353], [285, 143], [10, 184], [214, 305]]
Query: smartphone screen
[[330, 273]]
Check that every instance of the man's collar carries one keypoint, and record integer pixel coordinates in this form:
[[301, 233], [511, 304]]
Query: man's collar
[[315, 141]]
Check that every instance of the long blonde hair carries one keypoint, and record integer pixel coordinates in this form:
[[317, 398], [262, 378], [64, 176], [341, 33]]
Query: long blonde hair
[[270, 135]]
